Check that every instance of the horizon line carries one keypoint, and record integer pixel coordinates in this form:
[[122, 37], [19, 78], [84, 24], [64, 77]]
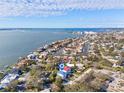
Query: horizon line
[[64, 28]]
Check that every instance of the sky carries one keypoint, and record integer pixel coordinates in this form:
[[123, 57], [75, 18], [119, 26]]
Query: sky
[[61, 13]]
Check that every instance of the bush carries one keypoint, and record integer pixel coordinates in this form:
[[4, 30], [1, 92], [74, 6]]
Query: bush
[[34, 85], [79, 87], [104, 62], [1, 75], [58, 81], [119, 69], [12, 86], [57, 85], [52, 76]]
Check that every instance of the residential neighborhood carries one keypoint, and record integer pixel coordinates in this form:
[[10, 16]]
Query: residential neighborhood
[[92, 62]]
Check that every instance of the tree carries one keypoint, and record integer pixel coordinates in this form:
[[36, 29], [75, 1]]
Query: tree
[[50, 67], [35, 79], [78, 87], [43, 60], [81, 59], [55, 88], [34, 84], [105, 62], [122, 54], [74, 61], [58, 81], [57, 85], [111, 49], [1, 75], [53, 76], [36, 71], [50, 57], [12, 86]]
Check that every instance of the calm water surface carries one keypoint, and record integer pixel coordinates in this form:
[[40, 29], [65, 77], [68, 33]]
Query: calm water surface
[[16, 43], [20, 42]]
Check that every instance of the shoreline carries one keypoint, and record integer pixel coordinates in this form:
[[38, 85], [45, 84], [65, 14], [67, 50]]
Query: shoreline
[[79, 33], [31, 58], [45, 46], [65, 59]]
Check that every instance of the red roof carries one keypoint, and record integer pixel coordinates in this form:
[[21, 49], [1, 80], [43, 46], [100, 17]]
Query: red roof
[[66, 68]]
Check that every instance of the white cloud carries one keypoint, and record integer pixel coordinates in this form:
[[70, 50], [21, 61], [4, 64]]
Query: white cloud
[[53, 7]]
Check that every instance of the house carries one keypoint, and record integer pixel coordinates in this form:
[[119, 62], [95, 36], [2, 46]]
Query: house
[[7, 79], [14, 74], [23, 63], [122, 63], [43, 54], [62, 74], [16, 71], [41, 49], [79, 65], [115, 65], [67, 69], [61, 66], [69, 50], [45, 46], [64, 71], [32, 57], [70, 65]]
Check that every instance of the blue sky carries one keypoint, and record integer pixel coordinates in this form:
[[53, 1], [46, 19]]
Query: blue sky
[[61, 13]]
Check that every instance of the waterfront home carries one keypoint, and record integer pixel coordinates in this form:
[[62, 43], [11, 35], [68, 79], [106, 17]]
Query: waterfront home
[[52, 50], [45, 46], [32, 57], [41, 49]]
